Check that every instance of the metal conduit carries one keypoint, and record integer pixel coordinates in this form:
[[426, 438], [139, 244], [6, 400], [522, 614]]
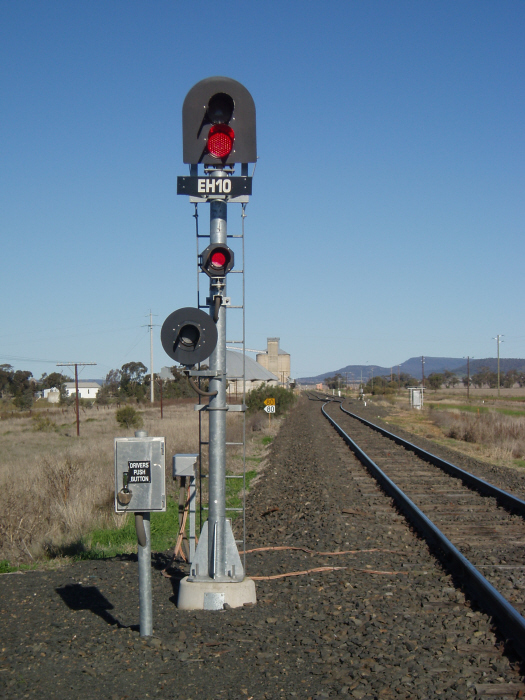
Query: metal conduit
[[511, 622]]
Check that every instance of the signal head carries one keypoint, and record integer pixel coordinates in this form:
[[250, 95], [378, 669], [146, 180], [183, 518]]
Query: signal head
[[188, 336], [210, 107], [217, 260]]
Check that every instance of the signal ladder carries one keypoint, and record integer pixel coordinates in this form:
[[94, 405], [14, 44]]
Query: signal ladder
[[241, 342]]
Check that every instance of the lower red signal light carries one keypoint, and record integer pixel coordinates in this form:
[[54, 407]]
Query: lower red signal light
[[220, 140], [218, 259]]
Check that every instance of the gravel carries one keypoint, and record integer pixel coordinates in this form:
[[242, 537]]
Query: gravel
[[407, 632]]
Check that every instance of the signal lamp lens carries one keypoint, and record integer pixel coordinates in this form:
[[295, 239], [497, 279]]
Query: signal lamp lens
[[218, 259], [220, 140], [220, 108], [189, 336]]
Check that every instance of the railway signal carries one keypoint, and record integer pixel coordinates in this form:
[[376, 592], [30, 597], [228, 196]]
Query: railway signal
[[218, 123], [188, 336], [218, 131], [217, 260]]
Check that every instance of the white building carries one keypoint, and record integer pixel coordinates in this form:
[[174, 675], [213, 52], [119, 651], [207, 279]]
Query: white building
[[52, 395], [86, 390]]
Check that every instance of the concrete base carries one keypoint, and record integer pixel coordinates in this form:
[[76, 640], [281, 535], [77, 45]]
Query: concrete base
[[212, 595]]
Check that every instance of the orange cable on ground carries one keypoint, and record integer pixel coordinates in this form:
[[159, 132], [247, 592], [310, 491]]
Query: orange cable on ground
[[178, 547], [329, 568], [321, 554]]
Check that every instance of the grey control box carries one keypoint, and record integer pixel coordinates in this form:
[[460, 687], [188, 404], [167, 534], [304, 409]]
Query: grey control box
[[140, 474], [184, 464]]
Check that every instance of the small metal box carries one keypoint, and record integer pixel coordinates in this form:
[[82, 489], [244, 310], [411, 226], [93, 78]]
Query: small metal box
[[184, 465], [140, 474]]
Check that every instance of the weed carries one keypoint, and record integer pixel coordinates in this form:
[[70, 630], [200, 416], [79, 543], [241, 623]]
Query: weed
[[267, 439], [43, 423]]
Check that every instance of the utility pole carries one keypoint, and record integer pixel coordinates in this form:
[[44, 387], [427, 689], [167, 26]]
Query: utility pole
[[75, 365], [468, 377], [497, 339], [161, 409], [151, 386]]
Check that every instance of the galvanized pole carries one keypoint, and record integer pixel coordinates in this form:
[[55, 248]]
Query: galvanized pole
[[145, 600], [143, 527], [217, 409], [152, 388]]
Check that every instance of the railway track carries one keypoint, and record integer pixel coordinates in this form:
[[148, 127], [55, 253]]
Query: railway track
[[478, 529]]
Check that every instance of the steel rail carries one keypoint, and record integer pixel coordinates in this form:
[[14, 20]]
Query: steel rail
[[511, 623], [506, 499]]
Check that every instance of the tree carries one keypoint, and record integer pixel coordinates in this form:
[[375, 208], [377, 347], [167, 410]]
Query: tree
[[178, 387], [22, 389], [435, 380], [6, 377], [55, 380], [112, 382], [485, 376], [334, 382], [510, 378], [131, 380]]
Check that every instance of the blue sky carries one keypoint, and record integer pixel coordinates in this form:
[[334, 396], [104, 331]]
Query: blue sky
[[388, 202]]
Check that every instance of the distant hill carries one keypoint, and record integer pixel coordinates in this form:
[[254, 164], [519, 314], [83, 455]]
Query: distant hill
[[505, 364], [412, 366]]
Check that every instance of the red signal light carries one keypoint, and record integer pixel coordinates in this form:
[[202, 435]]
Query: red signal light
[[220, 140], [218, 259]]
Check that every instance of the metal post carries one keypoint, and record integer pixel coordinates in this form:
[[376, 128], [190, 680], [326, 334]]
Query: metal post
[[217, 410], [152, 388], [145, 601]]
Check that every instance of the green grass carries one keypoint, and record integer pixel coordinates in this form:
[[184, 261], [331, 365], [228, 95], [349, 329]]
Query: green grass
[[519, 463], [267, 440], [110, 542], [6, 568], [233, 490]]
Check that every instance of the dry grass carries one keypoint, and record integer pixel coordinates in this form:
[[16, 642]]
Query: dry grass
[[57, 487], [502, 436], [487, 435]]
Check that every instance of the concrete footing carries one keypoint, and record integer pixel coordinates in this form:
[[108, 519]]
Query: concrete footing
[[213, 595]]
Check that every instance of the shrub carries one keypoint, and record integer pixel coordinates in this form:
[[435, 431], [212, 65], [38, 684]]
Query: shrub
[[43, 423], [128, 417], [284, 398]]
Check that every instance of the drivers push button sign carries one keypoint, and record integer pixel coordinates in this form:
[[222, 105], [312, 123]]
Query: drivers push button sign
[[139, 472]]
